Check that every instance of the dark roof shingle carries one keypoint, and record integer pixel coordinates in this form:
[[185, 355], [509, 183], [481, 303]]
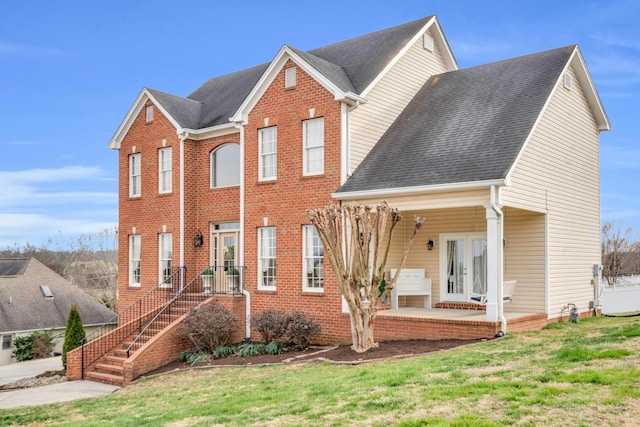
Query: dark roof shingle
[[351, 65]]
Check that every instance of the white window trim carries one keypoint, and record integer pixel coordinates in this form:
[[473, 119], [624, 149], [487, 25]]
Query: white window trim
[[162, 152], [306, 149], [133, 237], [261, 155], [161, 237], [261, 286], [133, 159], [305, 282]]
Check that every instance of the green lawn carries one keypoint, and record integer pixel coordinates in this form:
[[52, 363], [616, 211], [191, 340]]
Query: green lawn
[[567, 374]]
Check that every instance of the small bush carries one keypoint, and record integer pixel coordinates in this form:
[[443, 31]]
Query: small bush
[[43, 343], [36, 345], [274, 347], [301, 330], [224, 351], [250, 349], [23, 348], [271, 324], [209, 327], [195, 357]]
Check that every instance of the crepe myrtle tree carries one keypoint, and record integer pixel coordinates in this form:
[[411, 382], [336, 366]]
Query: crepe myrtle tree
[[356, 241]]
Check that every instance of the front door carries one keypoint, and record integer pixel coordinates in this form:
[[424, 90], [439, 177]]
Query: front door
[[463, 265], [224, 260]]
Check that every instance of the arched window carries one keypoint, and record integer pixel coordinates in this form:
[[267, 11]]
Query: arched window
[[225, 166]]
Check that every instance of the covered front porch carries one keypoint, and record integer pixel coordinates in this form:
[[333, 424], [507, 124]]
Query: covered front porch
[[470, 245]]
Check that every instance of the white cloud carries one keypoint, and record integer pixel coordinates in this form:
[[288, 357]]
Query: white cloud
[[27, 51], [614, 157], [42, 202]]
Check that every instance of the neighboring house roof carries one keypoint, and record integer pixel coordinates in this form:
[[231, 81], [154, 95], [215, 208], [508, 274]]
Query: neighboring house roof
[[351, 66], [24, 306], [463, 126]]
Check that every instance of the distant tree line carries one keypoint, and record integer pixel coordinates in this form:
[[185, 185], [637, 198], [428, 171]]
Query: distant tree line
[[89, 261]]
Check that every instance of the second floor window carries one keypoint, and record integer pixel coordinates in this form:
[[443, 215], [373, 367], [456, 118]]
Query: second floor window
[[313, 155], [268, 152], [134, 259], [164, 170], [225, 166], [135, 175]]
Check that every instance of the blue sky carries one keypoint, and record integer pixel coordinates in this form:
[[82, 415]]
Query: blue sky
[[70, 70]]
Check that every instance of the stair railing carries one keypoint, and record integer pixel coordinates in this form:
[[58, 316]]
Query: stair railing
[[187, 298], [130, 320]]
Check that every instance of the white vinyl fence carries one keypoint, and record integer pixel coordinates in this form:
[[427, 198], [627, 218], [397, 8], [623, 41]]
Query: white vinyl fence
[[624, 297]]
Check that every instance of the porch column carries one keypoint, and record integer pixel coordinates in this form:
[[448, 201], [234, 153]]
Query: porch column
[[494, 265]]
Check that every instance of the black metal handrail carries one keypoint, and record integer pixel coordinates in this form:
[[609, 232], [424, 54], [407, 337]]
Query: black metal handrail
[[131, 319], [199, 289]]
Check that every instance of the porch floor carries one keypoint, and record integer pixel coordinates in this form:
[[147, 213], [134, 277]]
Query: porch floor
[[449, 314]]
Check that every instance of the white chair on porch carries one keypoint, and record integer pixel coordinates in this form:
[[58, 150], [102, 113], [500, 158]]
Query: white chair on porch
[[508, 287]]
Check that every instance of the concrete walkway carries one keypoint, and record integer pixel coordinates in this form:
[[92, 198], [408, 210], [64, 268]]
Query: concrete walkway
[[17, 371], [53, 393]]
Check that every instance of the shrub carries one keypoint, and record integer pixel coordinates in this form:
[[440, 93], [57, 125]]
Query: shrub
[[271, 324], [43, 343], [301, 330], [274, 347], [209, 327], [23, 348], [250, 349], [36, 345], [224, 351], [74, 334], [194, 357]]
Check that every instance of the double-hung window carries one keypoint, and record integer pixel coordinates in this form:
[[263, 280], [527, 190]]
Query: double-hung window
[[313, 259], [268, 153], [164, 259], [134, 259], [313, 154], [267, 258], [164, 170], [135, 175]]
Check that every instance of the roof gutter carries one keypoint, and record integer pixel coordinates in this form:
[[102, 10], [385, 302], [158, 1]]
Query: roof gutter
[[210, 132], [408, 191]]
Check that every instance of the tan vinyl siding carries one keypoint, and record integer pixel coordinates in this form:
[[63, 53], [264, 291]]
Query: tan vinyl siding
[[524, 255], [558, 173], [390, 95], [466, 220], [436, 200]]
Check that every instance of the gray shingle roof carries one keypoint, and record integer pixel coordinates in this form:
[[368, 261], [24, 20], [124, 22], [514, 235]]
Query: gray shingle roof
[[462, 126], [23, 306], [13, 267], [351, 65]]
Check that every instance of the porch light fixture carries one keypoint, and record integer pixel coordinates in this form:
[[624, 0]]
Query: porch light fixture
[[198, 239], [430, 244]]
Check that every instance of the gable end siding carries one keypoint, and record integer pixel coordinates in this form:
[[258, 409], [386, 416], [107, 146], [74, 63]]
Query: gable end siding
[[391, 95], [559, 174]]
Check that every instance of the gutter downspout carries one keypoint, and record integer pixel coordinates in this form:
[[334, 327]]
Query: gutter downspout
[[500, 237], [240, 243], [183, 136]]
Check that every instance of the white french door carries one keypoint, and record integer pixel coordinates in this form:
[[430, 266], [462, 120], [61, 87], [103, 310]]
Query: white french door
[[463, 265]]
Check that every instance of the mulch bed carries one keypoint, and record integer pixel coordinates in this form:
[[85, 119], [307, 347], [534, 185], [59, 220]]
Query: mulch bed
[[337, 354]]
